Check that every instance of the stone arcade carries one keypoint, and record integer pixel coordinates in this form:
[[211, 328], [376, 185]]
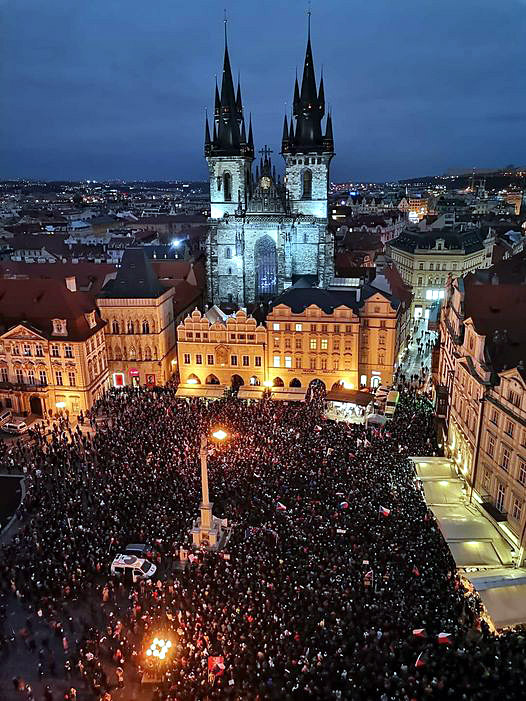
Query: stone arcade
[[266, 231]]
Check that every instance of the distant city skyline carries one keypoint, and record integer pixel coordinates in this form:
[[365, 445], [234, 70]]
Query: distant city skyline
[[105, 91]]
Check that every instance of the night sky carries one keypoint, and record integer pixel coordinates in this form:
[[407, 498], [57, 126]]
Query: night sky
[[117, 88]]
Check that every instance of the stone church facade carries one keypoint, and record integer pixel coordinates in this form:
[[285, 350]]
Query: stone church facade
[[267, 231]]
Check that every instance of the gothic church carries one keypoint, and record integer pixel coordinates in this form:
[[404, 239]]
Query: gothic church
[[266, 232]]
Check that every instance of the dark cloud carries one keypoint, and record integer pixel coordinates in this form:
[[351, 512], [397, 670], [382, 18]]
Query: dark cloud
[[118, 89]]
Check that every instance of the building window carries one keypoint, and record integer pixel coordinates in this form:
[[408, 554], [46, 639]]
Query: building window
[[313, 362], [19, 375], [55, 351], [257, 361], [145, 327], [509, 428], [420, 281], [210, 359], [298, 362], [491, 446], [246, 360], [31, 377], [324, 343], [39, 351], [58, 377], [130, 327], [298, 327], [115, 326], [494, 418], [336, 363], [233, 360], [348, 328], [3, 375], [16, 350], [229, 253], [227, 187], [27, 349], [501, 496], [72, 379], [522, 472], [514, 398], [276, 341], [287, 342], [277, 361], [275, 327], [348, 347], [324, 328], [420, 266], [313, 344], [306, 184], [323, 363], [68, 351], [486, 479], [505, 464], [43, 378], [187, 359], [298, 343], [198, 359], [288, 361], [516, 511]]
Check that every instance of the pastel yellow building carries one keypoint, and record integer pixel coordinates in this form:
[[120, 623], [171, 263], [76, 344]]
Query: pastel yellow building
[[52, 348]]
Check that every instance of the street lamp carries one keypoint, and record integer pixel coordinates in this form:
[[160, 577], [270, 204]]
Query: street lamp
[[207, 528]]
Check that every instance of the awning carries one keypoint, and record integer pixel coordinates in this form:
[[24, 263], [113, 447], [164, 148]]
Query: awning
[[204, 391], [503, 592], [250, 392], [289, 394], [353, 396]]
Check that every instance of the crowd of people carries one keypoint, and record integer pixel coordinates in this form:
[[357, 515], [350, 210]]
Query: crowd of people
[[335, 582]]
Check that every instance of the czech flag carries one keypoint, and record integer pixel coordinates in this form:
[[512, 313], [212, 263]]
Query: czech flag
[[419, 632], [216, 665], [416, 571], [445, 639], [344, 505], [280, 507], [420, 662], [385, 512]]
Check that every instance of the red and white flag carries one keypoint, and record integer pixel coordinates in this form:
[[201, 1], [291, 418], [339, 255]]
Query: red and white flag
[[419, 632], [420, 662], [344, 505], [384, 511], [216, 665], [445, 639], [280, 506], [416, 571]]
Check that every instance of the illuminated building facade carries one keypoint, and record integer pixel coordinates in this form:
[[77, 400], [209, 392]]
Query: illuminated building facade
[[265, 231], [482, 361], [426, 258], [52, 348], [140, 324]]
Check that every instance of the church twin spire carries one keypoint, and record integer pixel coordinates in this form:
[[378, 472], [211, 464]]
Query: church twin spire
[[229, 132]]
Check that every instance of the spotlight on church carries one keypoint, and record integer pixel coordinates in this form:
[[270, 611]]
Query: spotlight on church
[[176, 242]]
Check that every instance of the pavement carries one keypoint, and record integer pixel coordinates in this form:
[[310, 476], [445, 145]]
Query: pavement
[[412, 363]]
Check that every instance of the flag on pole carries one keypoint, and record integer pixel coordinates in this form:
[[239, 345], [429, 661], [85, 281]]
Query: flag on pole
[[419, 632], [445, 639], [280, 506], [420, 662], [384, 511], [368, 578], [216, 665]]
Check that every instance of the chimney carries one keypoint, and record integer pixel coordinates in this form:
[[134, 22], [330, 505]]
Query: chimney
[[71, 283]]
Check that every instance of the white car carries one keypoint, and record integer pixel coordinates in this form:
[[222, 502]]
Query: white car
[[16, 429], [132, 567]]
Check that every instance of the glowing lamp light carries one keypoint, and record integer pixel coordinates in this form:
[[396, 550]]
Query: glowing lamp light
[[159, 648], [60, 405], [220, 434], [268, 383], [191, 381]]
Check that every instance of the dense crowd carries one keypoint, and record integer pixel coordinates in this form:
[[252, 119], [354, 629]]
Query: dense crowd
[[335, 582]]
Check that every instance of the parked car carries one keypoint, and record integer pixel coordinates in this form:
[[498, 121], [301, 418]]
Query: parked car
[[5, 415], [15, 428], [132, 568]]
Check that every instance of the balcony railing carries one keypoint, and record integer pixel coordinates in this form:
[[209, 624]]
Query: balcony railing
[[24, 386]]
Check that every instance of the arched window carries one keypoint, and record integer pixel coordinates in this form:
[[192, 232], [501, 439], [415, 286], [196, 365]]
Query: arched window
[[130, 327], [132, 353], [118, 354], [115, 326], [229, 252], [145, 327], [227, 187], [147, 353], [306, 180]]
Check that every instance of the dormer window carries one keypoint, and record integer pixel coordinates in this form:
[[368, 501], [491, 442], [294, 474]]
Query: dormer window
[[59, 327], [91, 319]]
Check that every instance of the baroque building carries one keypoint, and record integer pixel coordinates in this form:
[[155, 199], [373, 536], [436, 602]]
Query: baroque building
[[52, 347], [266, 231], [482, 357]]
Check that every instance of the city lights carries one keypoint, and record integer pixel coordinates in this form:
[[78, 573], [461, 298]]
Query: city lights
[[220, 434], [159, 649]]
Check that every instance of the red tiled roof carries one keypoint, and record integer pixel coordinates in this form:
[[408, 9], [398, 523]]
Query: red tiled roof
[[38, 302], [89, 276]]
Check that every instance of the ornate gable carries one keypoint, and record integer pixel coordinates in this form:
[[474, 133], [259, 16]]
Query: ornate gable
[[22, 333]]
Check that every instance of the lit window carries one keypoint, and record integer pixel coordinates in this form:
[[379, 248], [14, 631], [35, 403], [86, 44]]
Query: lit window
[[27, 349], [275, 327], [313, 344], [298, 327], [288, 361], [324, 344], [277, 361]]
